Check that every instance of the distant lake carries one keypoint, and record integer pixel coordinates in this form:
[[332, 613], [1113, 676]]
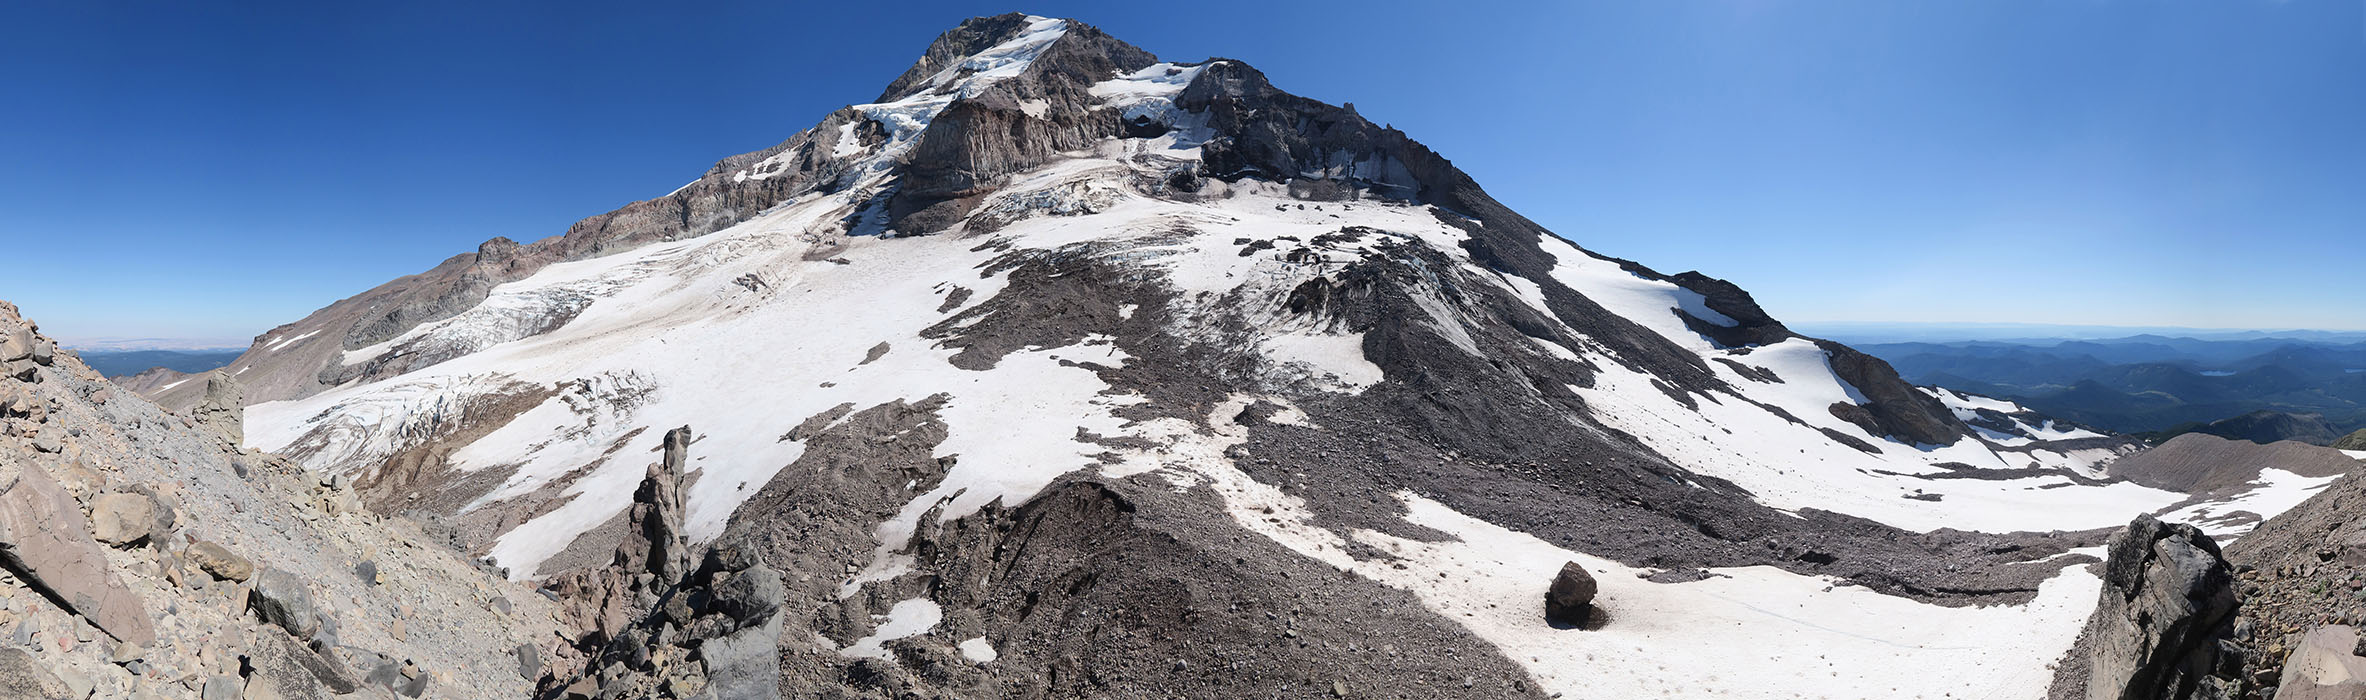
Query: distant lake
[[2355, 371], [2224, 373]]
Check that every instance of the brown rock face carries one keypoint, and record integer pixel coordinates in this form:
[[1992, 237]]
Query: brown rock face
[[1571, 598], [604, 601], [44, 538]]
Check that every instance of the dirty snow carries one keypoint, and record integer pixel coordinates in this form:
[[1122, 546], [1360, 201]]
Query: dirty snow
[[2274, 492], [909, 618]]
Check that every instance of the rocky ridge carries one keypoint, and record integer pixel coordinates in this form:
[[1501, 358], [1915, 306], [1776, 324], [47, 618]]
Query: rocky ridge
[[144, 555]]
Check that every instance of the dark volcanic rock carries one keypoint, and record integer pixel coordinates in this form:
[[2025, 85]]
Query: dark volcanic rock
[[2265, 427], [2168, 602], [1571, 599]]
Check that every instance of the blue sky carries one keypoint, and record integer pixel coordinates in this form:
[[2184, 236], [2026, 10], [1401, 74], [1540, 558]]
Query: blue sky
[[215, 169]]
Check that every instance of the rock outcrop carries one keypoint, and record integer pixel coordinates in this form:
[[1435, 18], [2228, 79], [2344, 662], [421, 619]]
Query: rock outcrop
[[654, 542], [164, 612], [223, 410], [650, 559], [2164, 624]]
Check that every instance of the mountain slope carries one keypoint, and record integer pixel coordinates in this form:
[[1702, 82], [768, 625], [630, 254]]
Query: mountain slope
[[145, 555], [1065, 370]]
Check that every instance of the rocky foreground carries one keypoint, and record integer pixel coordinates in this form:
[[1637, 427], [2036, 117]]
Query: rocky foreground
[[145, 555], [2274, 617]]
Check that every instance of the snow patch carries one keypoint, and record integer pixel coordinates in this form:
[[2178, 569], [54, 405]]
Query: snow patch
[[909, 618], [977, 650], [2276, 491]]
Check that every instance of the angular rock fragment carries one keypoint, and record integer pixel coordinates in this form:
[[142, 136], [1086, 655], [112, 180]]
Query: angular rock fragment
[[220, 562], [44, 538], [122, 519]]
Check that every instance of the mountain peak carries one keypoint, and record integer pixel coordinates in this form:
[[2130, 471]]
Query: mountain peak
[[1054, 327]]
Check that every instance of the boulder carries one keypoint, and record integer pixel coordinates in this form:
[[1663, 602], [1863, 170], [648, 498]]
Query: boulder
[[1571, 599], [751, 595], [2166, 612], [17, 401], [529, 661], [280, 598], [2325, 666], [44, 352], [16, 343], [122, 519], [220, 562], [44, 538]]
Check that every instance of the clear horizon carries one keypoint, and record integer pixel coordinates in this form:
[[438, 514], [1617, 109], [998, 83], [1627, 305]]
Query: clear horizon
[[196, 172]]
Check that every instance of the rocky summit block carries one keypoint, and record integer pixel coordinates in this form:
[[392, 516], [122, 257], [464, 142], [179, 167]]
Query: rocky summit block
[[44, 537], [2167, 607]]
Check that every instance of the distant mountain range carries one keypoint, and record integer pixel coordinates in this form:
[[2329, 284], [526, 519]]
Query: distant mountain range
[[2151, 383], [118, 363]]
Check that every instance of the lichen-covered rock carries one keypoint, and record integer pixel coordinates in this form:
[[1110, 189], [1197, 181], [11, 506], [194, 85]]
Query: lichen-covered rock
[[21, 676]]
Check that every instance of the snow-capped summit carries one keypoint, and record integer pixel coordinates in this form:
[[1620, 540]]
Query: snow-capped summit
[[1064, 369]]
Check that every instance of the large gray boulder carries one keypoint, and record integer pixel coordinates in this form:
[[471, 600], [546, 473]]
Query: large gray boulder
[[2168, 603], [44, 538], [280, 598], [2325, 666]]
